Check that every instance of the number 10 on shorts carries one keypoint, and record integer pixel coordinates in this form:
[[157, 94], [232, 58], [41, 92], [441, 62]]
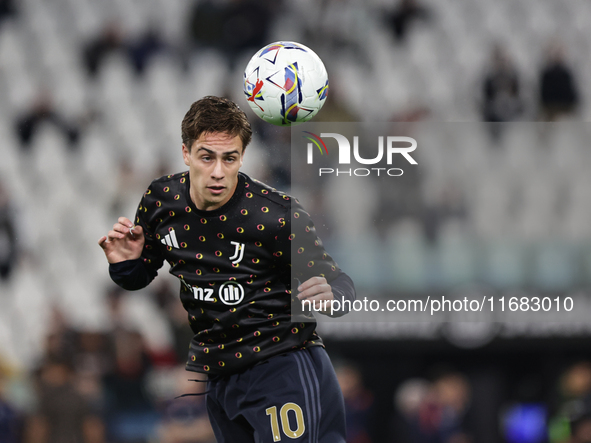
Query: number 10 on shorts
[[285, 425]]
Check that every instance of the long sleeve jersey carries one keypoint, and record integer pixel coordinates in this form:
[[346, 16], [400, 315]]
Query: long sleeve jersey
[[236, 265]]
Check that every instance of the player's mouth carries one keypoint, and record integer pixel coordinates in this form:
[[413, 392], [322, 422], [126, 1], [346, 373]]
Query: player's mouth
[[216, 189]]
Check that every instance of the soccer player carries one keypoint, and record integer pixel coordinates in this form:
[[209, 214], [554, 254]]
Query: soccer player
[[229, 239]]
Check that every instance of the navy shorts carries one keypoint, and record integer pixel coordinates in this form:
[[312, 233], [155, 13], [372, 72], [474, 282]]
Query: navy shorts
[[292, 397]]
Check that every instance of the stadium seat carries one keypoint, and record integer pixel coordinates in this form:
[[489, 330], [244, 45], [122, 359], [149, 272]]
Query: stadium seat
[[28, 327], [407, 259], [456, 255], [504, 263], [362, 258], [554, 266]]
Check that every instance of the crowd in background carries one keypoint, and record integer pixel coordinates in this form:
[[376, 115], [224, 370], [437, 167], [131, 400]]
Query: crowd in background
[[113, 384]]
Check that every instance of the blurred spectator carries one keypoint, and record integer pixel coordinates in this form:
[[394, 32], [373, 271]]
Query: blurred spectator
[[358, 404], [181, 331], [165, 294], [408, 399], [92, 352], [581, 429], [92, 362], [109, 40], [246, 26], [123, 324], [185, 420], [399, 203], [62, 414], [450, 203], [61, 338], [434, 412], [7, 9], [559, 95], [452, 391], [145, 47], [115, 297], [233, 27], [575, 384], [130, 414], [572, 420], [502, 100], [170, 308], [112, 40], [43, 111], [10, 418], [403, 15], [8, 242], [206, 24]]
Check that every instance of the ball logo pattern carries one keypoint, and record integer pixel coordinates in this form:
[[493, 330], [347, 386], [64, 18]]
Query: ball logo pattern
[[285, 83]]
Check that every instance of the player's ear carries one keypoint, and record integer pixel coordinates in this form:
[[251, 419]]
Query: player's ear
[[186, 154]]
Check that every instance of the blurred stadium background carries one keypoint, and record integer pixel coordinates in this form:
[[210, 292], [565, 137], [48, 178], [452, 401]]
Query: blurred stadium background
[[91, 99]]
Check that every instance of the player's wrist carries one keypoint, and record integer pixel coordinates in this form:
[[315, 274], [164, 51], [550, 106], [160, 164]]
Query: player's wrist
[[119, 261]]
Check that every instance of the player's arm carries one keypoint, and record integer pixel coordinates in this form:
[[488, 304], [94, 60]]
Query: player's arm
[[317, 289], [124, 242], [321, 277], [130, 249]]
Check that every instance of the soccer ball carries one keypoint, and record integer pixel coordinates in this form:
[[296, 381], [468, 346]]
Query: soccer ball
[[285, 83]]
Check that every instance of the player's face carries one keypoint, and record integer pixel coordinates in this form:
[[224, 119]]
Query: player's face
[[213, 161]]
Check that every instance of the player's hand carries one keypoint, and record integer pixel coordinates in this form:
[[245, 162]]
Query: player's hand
[[124, 242], [317, 289]]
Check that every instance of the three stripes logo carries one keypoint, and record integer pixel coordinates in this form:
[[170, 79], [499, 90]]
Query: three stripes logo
[[170, 240]]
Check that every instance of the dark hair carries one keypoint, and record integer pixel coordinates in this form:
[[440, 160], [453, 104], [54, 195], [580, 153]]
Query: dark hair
[[215, 114]]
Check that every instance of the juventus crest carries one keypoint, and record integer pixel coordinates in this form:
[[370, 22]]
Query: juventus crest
[[238, 252]]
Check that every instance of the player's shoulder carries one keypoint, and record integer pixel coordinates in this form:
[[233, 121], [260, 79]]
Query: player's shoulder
[[261, 191], [166, 184]]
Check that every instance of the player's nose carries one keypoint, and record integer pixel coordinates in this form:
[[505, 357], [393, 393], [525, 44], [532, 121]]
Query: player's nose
[[218, 170]]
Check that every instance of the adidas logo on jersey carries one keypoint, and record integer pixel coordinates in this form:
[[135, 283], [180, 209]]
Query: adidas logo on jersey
[[170, 240]]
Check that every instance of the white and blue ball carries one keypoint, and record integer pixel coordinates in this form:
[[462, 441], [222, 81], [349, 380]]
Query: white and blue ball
[[285, 83]]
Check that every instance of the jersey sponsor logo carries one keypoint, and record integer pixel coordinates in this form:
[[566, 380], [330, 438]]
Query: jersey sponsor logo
[[231, 293], [170, 240], [238, 252], [203, 294]]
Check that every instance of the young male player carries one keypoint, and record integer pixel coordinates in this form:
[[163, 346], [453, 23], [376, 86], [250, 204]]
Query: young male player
[[229, 239]]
